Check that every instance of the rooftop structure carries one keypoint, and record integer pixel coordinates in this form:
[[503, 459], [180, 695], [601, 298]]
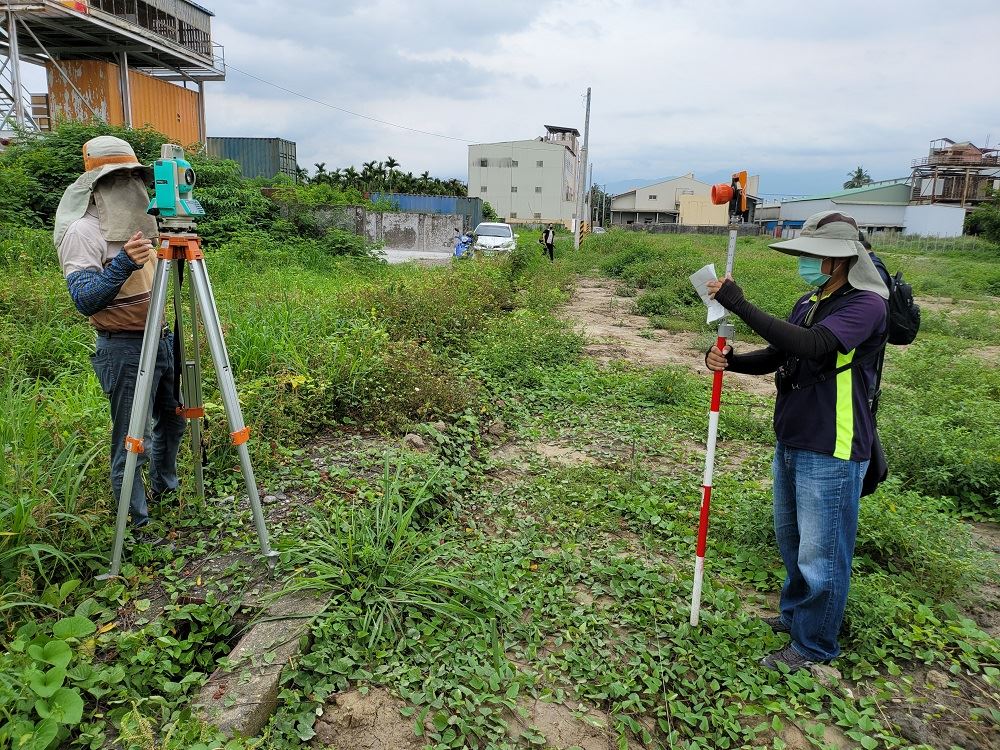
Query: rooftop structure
[[958, 173], [80, 42]]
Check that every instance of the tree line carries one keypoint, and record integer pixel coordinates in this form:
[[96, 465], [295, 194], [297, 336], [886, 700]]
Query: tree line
[[381, 177]]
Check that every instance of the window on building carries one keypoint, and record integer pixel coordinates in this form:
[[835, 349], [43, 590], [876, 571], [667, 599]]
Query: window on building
[[538, 189], [539, 163], [482, 189], [513, 162], [513, 214], [513, 190], [538, 216], [484, 162], [652, 197]]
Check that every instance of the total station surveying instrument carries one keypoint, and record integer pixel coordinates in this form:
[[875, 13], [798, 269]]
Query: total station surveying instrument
[[176, 209], [740, 204]]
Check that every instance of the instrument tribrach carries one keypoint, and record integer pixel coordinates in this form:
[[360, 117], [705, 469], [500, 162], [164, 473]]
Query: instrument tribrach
[[176, 209]]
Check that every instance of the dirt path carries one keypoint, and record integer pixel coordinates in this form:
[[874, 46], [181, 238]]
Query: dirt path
[[614, 331]]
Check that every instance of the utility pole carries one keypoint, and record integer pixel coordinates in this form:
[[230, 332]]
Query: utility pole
[[590, 197], [583, 174]]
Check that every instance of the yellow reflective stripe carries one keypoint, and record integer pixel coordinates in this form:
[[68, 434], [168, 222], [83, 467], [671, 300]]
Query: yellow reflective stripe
[[845, 407]]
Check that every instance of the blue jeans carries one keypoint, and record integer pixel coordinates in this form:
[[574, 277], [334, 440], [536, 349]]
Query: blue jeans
[[816, 522], [116, 363]]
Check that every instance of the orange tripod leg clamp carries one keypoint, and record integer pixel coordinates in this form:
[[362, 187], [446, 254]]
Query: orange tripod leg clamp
[[134, 445], [191, 412], [180, 249], [241, 436]]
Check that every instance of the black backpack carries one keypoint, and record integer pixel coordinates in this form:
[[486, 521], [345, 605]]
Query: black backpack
[[901, 329], [904, 313]]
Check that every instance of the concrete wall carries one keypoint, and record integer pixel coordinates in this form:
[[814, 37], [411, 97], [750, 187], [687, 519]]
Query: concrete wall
[[934, 220], [411, 231], [517, 187]]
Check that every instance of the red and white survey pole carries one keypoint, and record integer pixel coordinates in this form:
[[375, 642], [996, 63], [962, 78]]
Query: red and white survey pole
[[735, 195], [725, 333]]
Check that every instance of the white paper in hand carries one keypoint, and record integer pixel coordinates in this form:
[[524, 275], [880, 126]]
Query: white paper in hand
[[700, 279]]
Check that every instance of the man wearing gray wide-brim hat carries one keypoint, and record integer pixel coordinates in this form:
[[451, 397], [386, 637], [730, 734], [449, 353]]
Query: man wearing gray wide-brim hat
[[104, 237], [825, 356]]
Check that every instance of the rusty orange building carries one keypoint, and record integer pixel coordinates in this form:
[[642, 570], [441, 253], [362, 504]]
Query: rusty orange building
[[86, 87]]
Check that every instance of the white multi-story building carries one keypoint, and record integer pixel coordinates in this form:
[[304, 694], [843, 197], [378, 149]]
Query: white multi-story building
[[528, 182]]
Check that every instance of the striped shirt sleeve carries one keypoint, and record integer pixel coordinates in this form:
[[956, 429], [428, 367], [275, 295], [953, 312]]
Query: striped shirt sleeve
[[92, 291]]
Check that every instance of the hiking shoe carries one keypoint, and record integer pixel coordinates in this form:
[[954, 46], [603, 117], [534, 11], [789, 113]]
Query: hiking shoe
[[776, 624], [788, 658]]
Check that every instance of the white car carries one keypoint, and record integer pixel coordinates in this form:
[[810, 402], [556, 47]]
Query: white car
[[494, 238]]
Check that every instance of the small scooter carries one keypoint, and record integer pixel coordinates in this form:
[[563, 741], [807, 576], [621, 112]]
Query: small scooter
[[463, 244]]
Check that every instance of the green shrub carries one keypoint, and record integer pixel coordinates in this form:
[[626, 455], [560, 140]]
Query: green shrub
[[911, 535], [383, 574], [517, 350], [669, 385], [932, 428], [54, 159], [676, 298]]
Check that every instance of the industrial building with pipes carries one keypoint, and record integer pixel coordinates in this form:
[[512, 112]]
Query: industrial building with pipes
[[676, 200], [530, 181], [127, 62], [933, 201]]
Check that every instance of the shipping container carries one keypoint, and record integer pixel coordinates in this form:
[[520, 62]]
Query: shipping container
[[471, 209], [258, 157], [163, 106]]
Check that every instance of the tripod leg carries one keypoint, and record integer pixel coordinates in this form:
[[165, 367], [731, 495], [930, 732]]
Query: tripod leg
[[193, 370], [230, 399], [140, 407], [190, 375]]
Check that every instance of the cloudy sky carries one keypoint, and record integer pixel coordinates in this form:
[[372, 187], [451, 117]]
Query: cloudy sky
[[797, 91]]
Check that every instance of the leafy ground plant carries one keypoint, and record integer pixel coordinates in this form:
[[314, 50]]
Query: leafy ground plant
[[382, 571]]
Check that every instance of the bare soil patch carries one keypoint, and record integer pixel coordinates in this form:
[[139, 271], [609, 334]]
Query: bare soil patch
[[615, 332], [987, 610], [940, 711], [370, 721], [562, 728]]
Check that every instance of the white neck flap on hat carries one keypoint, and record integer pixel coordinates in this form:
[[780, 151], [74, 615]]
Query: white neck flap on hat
[[121, 206]]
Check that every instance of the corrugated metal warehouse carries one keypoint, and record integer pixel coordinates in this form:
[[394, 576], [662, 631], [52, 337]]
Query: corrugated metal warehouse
[[258, 157], [470, 209]]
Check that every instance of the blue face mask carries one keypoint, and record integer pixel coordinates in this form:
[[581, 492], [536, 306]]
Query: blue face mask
[[810, 269]]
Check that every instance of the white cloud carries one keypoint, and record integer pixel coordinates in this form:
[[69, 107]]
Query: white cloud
[[805, 91]]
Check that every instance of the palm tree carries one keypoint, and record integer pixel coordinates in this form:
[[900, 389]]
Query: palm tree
[[858, 178], [351, 177], [320, 176], [424, 181], [390, 166]]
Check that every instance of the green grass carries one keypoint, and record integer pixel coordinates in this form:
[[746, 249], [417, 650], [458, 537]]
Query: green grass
[[593, 559]]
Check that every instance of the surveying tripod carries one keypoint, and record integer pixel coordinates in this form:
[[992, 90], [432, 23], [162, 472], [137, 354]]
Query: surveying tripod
[[176, 246]]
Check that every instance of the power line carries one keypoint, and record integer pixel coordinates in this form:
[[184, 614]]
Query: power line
[[375, 119], [348, 111]]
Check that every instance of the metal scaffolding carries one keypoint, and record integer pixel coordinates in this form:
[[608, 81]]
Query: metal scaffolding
[[166, 39], [955, 174]]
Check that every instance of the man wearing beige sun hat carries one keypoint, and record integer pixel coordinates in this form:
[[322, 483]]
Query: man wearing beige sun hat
[[825, 357], [104, 237]]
